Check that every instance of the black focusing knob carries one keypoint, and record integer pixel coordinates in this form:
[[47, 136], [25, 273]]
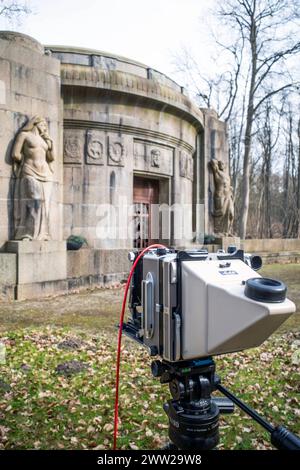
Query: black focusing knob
[[263, 289], [161, 251], [157, 368]]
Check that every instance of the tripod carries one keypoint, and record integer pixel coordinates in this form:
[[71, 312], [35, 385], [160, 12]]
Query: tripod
[[194, 414]]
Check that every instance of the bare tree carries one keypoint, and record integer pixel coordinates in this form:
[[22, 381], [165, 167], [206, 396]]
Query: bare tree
[[267, 137], [217, 91], [264, 26], [291, 190], [257, 63], [13, 9]]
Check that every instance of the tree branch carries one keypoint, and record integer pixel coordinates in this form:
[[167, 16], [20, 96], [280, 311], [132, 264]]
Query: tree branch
[[271, 93]]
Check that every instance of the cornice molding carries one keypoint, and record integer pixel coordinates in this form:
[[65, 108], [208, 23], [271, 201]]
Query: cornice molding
[[136, 132], [114, 80]]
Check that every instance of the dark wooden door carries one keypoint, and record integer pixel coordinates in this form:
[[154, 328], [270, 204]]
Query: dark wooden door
[[145, 193]]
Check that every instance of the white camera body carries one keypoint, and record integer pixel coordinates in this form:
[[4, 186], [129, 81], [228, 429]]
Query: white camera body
[[217, 316]]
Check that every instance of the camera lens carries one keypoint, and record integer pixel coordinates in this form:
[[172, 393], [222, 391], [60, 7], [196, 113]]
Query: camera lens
[[263, 289]]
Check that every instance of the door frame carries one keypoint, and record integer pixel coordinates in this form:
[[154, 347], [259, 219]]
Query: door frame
[[165, 196]]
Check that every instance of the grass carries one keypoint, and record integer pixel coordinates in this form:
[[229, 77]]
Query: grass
[[42, 409]]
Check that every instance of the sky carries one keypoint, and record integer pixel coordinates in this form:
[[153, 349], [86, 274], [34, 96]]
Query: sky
[[149, 31]]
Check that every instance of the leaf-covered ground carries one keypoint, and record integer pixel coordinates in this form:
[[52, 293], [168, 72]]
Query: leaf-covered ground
[[57, 382]]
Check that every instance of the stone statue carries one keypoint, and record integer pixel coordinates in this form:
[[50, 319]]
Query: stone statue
[[223, 198], [32, 155]]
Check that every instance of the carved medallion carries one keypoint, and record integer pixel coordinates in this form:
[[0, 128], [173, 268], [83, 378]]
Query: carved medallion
[[116, 151], [95, 148], [73, 146]]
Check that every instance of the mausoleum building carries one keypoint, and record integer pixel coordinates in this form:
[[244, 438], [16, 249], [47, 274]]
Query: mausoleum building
[[103, 147]]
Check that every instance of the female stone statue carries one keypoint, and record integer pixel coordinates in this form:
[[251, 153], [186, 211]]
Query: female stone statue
[[32, 156], [223, 198]]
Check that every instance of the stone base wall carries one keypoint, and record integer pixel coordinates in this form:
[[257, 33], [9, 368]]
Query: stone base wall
[[8, 276], [92, 262], [281, 258], [274, 245], [38, 269]]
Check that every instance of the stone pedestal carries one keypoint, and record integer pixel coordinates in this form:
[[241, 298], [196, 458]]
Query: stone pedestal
[[41, 267], [8, 275], [224, 242]]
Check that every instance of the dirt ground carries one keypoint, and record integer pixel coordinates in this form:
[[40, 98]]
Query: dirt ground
[[89, 310]]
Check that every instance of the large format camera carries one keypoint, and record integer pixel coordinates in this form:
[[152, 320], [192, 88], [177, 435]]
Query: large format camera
[[193, 304], [187, 306]]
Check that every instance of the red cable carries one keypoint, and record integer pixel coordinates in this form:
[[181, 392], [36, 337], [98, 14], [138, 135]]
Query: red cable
[[120, 338]]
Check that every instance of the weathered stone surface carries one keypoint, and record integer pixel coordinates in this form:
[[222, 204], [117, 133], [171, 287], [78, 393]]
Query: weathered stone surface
[[274, 245], [86, 262], [155, 158], [8, 269], [39, 261], [36, 290], [95, 147], [73, 146]]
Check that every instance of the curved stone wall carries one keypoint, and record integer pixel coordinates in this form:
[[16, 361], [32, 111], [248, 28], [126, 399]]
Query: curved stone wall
[[118, 112]]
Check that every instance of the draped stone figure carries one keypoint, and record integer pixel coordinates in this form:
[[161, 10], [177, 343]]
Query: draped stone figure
[[223, 198], [32, 155]]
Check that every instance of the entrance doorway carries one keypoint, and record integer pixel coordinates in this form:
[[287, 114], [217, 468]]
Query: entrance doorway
[[145, 193]]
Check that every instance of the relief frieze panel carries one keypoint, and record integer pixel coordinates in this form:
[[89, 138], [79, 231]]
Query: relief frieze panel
[[186, 165], [73, 146], [95, 147], [117, 150], [153, 157]]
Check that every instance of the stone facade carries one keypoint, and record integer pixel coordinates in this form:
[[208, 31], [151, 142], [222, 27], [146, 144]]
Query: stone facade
[[125, 122], [111, 119]]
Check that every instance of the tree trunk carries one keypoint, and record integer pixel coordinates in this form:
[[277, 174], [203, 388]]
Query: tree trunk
[[248, 131]]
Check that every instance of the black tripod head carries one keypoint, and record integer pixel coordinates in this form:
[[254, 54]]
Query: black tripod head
[[194, 413]]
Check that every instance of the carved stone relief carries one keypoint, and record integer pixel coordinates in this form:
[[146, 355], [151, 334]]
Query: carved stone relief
[[116, 151], [32, 156], [186, 165], [73, 146], [153, 157], [95, 147], [223, 211], [107, 63]]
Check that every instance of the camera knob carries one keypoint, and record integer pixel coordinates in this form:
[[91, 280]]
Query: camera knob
[[157, 368]]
